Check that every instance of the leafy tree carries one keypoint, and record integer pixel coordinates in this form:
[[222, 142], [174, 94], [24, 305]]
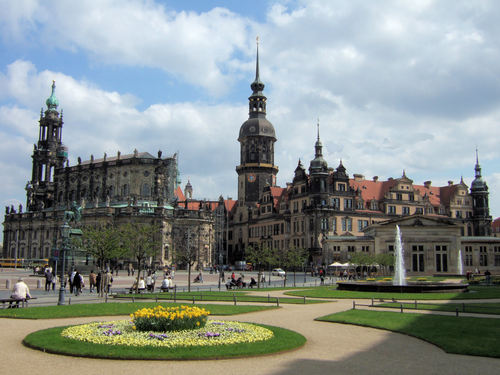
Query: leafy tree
[[102, 243], [385, 260], [141, 241], [259, 255], [293, 258]]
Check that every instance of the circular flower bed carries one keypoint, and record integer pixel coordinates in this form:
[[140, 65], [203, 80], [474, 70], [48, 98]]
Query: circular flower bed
[[165, 319], [122, 332]]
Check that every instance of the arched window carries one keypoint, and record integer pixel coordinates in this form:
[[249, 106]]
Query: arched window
[[125, 190]]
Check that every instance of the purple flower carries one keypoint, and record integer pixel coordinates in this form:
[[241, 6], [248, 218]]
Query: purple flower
[[209, 334]]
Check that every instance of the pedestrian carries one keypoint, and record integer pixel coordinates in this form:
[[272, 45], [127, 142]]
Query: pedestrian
[[77, 283], [487, 275], [48, 279], [92, 281]]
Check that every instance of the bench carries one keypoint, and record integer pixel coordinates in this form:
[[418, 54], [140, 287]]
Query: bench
[[24, 302]]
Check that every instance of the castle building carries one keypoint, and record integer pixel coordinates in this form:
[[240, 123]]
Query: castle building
[[334, 216], [112, 190]]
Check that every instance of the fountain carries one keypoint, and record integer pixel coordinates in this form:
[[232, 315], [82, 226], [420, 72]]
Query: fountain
[[460, 263], [400, 271], [399, 283]]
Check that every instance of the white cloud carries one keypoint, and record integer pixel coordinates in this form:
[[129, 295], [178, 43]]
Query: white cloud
[[396, 85]]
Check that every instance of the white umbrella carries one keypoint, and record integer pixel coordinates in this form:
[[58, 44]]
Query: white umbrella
[[336, 264]]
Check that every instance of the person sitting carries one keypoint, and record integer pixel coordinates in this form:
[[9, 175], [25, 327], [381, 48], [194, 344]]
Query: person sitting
[[165, 284], [141, 286], [21, 292], [133, 287], [240, 283], [252, 282], [231, 283]]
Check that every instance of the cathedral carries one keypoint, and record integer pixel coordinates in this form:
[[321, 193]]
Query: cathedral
[[112, 190], [323, 210]]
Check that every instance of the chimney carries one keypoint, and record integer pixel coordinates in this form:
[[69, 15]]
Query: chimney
[[450, 183], [375, 178], [427, 184], [358, 177]]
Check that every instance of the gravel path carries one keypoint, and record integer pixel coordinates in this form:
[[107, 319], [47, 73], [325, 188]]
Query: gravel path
[[330, 349]]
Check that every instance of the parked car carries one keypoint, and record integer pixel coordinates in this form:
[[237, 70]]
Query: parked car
[[278, 272]]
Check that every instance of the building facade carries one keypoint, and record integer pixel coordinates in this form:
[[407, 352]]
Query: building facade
[[112, 190], [334, 216]]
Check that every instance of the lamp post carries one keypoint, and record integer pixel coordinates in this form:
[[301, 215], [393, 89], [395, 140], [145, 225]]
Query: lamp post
[[65, 231]]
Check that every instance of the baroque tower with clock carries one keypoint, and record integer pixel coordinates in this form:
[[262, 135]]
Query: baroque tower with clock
[[257, 137]]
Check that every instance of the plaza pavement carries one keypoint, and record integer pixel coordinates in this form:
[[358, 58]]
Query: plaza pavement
[[330, 349]]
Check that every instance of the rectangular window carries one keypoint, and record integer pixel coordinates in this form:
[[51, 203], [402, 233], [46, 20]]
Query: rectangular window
[[341, 187], [348, 204], [365, 249], [441, 258], [336, 203], [406, 210], [390, 248], [417, 258], [419, 211], [391, 210], [483, 256]]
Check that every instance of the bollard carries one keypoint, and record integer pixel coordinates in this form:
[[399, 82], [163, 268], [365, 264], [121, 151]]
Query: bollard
[[401, 308], [234, 298], [175, 293], [7, 284], [277, 301], [193, 300], [39, 284], [133, 299], [372, 301], [106, 299], [354, 305], [69, 301], [456, 312], [304, 300]]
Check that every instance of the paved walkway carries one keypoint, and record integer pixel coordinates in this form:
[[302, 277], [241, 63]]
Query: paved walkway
[[330, 349]]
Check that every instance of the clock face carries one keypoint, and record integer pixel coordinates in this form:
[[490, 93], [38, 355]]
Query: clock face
[[251, 178]]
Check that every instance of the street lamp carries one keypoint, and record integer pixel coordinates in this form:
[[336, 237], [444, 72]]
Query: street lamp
[[65, 232]]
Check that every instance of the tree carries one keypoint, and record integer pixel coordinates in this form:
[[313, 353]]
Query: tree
[[293, 258], [258, 255], [141, 241], [102, 243], [187, 254], [385, 260]]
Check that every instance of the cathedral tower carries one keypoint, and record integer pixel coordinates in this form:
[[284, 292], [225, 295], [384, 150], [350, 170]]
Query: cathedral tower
[[48, 155], [257, 137]]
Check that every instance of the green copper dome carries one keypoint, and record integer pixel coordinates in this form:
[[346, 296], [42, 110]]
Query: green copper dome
[[52, 101]]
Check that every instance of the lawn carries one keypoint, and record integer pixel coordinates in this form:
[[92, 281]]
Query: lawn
[[240, 296], [463, 335], [50, 340], [477, 308], [475, 292], [110, 309]]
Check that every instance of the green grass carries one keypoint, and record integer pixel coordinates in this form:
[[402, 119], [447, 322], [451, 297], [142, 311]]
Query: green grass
[[218, 296], [477, 308], [50, 340], [475, 292], [110, 309], [463, 335]]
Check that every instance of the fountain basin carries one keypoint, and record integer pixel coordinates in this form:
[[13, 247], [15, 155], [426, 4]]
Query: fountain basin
[[410, 287]]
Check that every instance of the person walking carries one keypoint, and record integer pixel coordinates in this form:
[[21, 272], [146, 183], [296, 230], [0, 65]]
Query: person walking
[[92, 281], [48, 279], [77, 283]]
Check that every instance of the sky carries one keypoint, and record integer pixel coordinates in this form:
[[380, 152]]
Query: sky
[[396, 85]]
